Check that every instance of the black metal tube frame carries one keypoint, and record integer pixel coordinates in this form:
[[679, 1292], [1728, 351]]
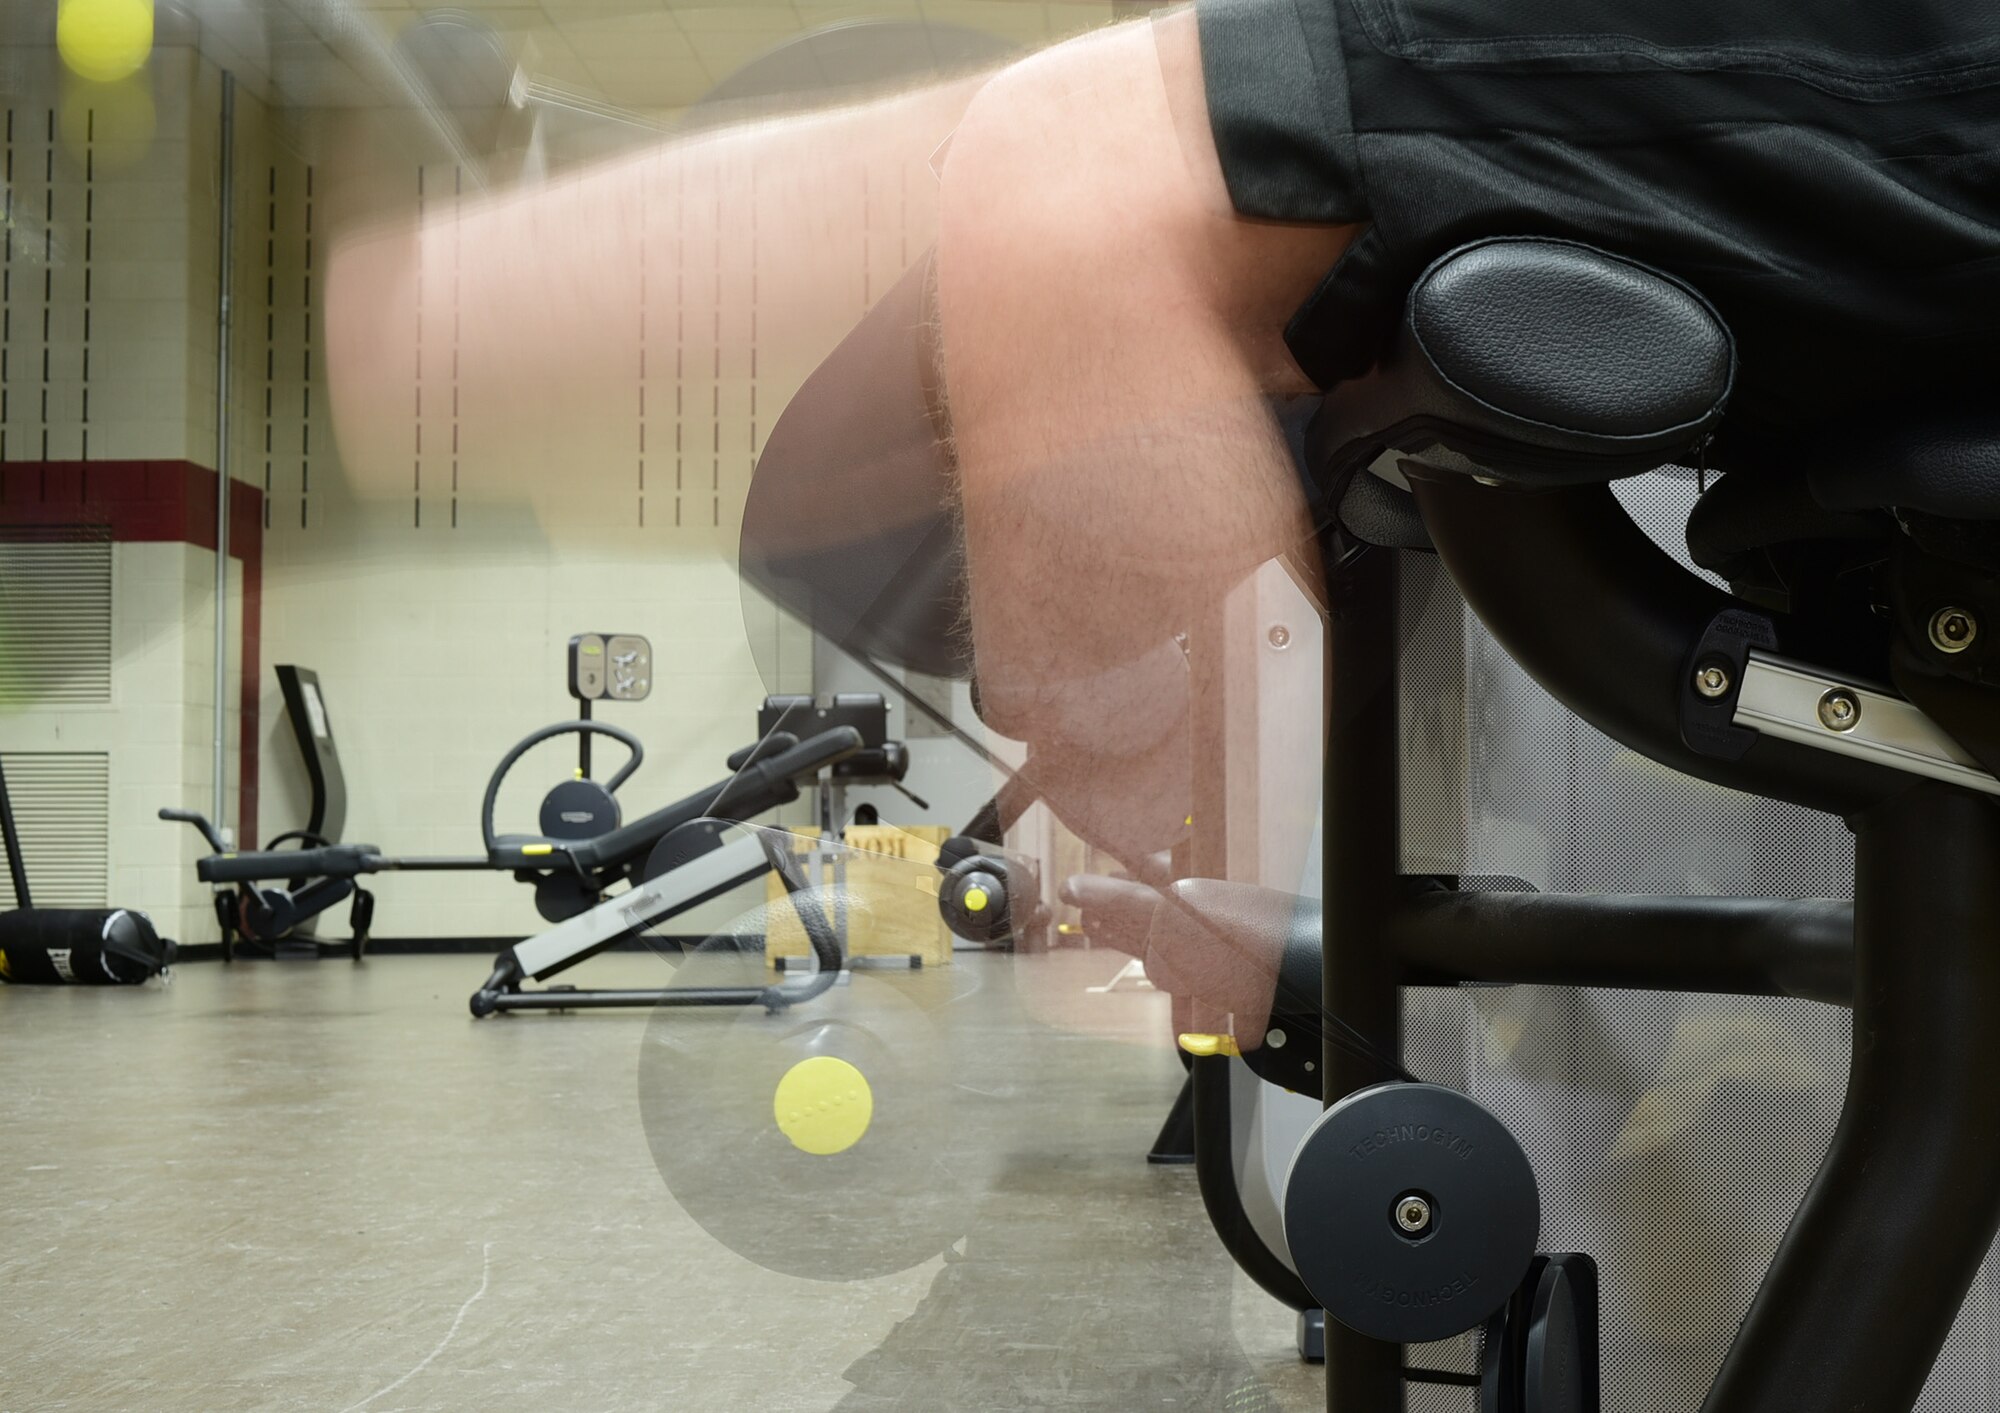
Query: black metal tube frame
[[1360, 842], [1723, 946], [16, 869], [1869, 1280], [1215, 1171]]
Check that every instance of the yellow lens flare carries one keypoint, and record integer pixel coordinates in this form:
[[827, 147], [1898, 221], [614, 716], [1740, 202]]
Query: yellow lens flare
[[108, 127], [823, 1105], [104, 40]]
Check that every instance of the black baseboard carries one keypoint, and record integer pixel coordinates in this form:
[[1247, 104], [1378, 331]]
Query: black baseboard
[[420, 946]]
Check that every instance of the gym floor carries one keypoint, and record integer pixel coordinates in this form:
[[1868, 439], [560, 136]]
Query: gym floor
[[323, 1186]]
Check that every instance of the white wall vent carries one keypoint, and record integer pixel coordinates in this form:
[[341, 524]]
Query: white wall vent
[[55, 617], [62, 810]]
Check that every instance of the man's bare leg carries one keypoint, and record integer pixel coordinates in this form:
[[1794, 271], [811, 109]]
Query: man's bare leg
[[1112, 337], [531, 295]]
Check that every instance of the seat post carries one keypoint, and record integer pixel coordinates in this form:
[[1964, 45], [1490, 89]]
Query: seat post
[[1361, 857], [1871, 1275]]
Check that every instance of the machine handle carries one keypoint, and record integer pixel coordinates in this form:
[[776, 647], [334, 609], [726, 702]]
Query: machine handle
[[333, 861], [199, 821], [529, 742], [762, 750], [809, 757]]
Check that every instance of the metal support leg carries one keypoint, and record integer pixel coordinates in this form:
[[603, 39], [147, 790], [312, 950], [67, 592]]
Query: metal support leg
[[1174, 1144], [1871, 1275], [1362, 854]]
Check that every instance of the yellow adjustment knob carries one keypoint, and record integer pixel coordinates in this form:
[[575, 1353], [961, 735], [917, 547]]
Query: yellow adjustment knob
[[1206, 1045], [823, 1104], [975, 900]]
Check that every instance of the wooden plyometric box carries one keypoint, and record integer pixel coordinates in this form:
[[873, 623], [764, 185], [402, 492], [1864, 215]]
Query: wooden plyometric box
[[891, 894]]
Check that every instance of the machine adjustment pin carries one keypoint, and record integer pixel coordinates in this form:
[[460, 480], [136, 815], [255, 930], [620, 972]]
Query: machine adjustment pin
[[1953, 630], [1839, 710], [1712, 680]]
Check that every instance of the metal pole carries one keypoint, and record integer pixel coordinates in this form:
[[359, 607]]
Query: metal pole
[[1869, 1280], [1725, 946], [11, 837], [225, 271], [1360, 861]]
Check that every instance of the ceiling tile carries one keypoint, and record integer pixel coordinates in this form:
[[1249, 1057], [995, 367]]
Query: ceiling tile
[[648, 83], [650, 38], [739, 19]]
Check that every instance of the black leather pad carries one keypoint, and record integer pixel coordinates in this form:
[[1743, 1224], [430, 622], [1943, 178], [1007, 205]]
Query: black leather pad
[[1571, 339], [1538, 361]]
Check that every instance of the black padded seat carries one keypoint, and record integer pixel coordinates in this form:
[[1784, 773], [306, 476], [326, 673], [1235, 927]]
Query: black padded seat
[[1825, 506], [1948, 467]]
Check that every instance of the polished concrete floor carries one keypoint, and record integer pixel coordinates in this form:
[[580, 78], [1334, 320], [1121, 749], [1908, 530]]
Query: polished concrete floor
[[323, 1186]]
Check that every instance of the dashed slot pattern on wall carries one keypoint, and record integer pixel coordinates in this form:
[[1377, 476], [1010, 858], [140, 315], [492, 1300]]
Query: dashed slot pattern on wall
[[27, 284], [55, 617], [62, 810], [437, 348], [281, 346]]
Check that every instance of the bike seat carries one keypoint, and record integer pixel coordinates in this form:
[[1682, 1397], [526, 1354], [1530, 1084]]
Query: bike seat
[[1796, 521], [1947, 466]]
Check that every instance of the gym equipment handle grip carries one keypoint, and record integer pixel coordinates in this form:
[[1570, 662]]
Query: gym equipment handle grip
[[333, 861]]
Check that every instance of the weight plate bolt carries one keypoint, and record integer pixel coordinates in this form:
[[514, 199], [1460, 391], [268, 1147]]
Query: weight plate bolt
[[1953, 630], [1712, 681], [1413, 1214], [1839, 710]]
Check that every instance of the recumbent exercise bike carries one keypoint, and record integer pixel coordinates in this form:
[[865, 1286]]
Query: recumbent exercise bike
[[1847, 669]]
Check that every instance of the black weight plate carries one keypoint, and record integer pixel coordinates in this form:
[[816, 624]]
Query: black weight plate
[[578, 809], [684, 844], [1366, 1153], [1554, 1379]]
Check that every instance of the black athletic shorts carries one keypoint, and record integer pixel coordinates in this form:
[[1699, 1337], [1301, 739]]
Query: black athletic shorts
[[1826, 171]]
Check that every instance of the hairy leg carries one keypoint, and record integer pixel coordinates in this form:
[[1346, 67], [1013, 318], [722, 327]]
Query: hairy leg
[[756, 232], [1112, 342]]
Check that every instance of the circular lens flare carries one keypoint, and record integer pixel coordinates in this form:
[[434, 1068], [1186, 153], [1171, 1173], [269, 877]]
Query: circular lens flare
[[104, 40]]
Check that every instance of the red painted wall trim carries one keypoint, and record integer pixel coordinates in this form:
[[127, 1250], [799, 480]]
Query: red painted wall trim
[[159, 502]]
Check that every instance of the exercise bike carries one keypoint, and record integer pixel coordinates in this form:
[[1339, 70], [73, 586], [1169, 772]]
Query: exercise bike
[[1843, 670], [277, 917]]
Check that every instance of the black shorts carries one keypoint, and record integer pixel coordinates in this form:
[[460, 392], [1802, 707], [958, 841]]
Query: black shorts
[[1826, 171]]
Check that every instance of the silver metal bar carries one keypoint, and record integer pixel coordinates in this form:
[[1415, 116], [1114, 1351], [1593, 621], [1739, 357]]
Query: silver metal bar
[[225, 261], [1796, 702], [740, 861]]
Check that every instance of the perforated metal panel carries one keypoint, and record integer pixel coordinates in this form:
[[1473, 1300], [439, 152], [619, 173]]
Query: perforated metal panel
[[62, 808], [1674, 1135]]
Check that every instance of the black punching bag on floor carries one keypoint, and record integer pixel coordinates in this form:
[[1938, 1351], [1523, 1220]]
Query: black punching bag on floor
[[80, 947], [70, 946]]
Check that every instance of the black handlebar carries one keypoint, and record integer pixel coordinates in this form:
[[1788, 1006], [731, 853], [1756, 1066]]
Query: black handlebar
[[199, 821], [762, 750], [809, 757], [333, 861], [527, 743]]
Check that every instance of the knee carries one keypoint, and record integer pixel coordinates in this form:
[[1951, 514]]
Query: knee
[[1063, 160]]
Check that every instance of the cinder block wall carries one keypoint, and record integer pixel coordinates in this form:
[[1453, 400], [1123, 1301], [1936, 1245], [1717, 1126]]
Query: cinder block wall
[[437, 612], [102, 349]]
